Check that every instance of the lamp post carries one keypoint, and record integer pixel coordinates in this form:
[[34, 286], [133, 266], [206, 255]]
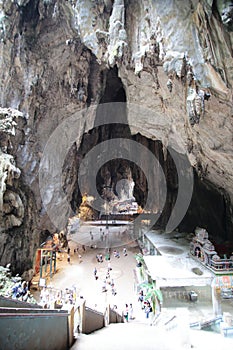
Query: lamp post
[[107, 215], [107, 205]]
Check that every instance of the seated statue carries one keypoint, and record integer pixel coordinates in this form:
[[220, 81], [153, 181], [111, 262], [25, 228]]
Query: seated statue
[[225, 10]]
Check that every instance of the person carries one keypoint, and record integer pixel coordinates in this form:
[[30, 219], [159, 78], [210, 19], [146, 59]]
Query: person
[[108, 277], [67, 296], [92, 237], [16, 290], [113, 291], [68, 258], [126, 313], [95, 273], [149, 312], [141, 299], [44, 295], [58, 301], [104, 288], [24, 293], [68, 250], [131, 312], [70, 298], [74, 294], [124, 251], [148, 309]]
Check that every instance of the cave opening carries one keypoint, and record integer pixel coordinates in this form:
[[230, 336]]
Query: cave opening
[[115, 178], [120, 179], [209, 207]]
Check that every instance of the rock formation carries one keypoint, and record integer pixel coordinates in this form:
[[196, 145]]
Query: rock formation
[[11, 206], [58, 58]]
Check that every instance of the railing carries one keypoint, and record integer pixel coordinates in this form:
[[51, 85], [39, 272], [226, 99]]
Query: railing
[[206, 323], [115, 317], [92, 320], [221, 265]]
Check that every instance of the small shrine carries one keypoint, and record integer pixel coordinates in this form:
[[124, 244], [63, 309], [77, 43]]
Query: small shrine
[[203, 250], [201, 247]]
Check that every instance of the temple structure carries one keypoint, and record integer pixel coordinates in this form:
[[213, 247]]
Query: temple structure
[[202, 249]]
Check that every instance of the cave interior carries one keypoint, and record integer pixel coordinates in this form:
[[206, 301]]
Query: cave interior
[[209, 207]]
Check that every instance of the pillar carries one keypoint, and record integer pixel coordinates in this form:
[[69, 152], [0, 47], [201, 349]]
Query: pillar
[[216, 300], [45, 267], [55, 262], [41, 263], [51, 264]]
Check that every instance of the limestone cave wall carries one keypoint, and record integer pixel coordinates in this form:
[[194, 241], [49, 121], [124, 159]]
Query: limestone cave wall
[[60, 57]]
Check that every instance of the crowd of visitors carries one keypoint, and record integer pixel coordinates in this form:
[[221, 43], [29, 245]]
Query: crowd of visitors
[[21, 291], [145, 305], [128, 312], [51, 298], [104, 273]]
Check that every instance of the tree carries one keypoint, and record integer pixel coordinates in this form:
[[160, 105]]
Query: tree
[[154, 294]]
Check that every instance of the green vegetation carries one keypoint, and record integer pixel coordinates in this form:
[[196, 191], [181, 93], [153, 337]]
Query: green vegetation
[[153, 294]]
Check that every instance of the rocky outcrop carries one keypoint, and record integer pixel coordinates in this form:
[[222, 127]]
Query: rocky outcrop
[[17, 244], [11, 206], [172, 58]]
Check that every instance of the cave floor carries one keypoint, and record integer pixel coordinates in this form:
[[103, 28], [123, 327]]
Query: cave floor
[[80, 273]]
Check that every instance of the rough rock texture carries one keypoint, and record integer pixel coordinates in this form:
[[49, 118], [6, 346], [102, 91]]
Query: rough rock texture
[[172, 57], [11, 206]]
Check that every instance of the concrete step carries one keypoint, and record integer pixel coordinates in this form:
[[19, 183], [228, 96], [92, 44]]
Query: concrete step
[[129, 335], [136, 336]]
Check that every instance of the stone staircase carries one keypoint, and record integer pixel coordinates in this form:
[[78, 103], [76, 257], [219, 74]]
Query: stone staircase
[[131, 335], [167, 334], [136, 334]]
